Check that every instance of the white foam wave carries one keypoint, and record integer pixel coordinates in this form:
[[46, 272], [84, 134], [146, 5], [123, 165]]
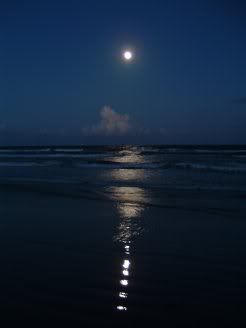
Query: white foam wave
[[27, 164], [198, 166]]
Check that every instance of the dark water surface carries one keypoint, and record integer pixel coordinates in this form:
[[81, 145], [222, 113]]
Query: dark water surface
[[117, 234]]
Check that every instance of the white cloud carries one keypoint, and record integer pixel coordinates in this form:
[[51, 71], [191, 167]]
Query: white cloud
[[111, 123]]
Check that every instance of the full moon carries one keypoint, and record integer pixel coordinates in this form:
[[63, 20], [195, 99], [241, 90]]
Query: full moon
[[127, 55]]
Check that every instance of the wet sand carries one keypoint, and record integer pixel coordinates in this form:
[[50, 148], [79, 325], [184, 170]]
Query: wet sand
[[76, 260]]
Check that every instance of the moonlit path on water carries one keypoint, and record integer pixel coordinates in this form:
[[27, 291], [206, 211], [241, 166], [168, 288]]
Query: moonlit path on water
[[121, 232]]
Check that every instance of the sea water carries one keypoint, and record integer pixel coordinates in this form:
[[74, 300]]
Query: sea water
[[99, 232]]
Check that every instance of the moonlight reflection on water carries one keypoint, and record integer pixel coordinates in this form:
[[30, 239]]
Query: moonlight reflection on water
[[130, 206]]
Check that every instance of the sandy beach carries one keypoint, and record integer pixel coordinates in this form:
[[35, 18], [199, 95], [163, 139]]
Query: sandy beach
[[75, 259]]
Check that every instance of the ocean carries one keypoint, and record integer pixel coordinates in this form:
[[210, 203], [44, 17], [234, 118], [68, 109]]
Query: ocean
[[99, 234]]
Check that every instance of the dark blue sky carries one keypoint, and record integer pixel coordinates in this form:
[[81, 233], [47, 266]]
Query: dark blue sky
[[61, 63]]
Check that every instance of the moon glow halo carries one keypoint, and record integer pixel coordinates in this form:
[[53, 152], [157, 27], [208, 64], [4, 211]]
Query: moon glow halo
[[127, 55]]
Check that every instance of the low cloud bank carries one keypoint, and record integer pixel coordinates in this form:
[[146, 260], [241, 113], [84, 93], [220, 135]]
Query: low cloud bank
[[111, 123]]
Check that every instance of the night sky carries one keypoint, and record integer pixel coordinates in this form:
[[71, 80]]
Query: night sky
[[61, 63]]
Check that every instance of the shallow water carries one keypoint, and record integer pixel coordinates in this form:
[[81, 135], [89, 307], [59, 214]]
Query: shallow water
[[120, 233]]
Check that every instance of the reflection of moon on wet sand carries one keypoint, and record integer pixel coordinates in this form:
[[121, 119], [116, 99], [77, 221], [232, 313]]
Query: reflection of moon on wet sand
[[128, 229]]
